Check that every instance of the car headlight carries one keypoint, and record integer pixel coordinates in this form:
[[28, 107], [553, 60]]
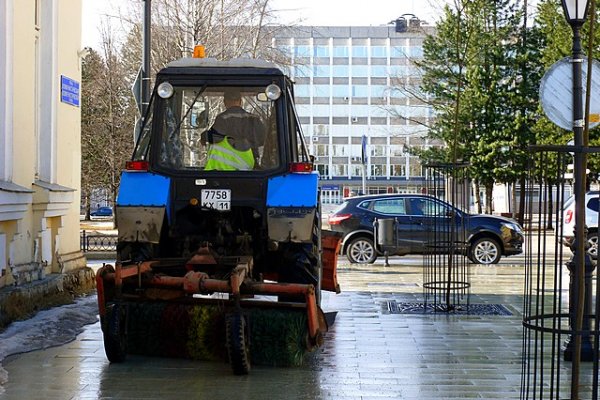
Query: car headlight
[[513, 226]]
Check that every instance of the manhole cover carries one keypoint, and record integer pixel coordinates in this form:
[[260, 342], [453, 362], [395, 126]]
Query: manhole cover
[[394, 307]]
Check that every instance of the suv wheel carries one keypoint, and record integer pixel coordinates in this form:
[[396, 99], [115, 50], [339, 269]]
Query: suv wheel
[[485, 251], [361, 250]]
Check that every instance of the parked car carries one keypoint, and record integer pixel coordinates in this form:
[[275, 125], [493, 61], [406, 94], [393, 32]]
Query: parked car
[[102, 212], [422, 224], [591, 221]]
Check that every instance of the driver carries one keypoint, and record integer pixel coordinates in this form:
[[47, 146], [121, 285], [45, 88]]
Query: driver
[[235, 136]]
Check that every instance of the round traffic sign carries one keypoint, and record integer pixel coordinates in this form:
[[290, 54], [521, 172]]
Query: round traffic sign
[[556, 93]]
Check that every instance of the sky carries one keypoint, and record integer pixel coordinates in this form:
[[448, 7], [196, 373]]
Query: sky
[[299, 12]]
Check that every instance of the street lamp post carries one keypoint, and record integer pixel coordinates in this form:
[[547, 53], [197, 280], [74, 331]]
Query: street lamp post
[[576, 13]]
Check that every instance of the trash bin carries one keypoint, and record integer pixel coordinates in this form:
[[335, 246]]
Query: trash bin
[[385, 232]]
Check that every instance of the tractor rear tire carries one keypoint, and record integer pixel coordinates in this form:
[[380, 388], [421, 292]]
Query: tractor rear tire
[[114, 330], [238, 346], [302, 263]]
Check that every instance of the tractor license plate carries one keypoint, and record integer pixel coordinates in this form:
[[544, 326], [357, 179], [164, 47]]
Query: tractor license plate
[[218, 199]]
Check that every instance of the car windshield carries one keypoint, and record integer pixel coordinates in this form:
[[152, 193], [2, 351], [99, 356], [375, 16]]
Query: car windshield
[[218, 128]]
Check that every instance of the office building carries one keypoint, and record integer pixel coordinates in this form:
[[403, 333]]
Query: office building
[[357, 91]]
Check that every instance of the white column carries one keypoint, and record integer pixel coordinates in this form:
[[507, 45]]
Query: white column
[[6, 89], [49, 86]]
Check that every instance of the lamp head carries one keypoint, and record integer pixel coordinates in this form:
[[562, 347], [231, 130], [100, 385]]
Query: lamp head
[[575, 11]]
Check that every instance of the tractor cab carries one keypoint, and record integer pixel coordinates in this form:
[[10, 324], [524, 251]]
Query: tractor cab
[[191, 93]]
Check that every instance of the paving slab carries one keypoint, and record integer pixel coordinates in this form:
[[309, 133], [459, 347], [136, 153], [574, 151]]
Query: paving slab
[[368, 353]]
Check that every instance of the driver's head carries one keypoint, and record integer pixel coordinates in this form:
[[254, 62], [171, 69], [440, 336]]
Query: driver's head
[[232, 98]]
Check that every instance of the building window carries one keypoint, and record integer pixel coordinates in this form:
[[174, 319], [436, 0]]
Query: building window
[[340, 150], [415, 52], [322, 150], [340, 170], [379, 71], [341, 71], [356, 170], [360, 91], [397, 71], [323, 170], [321, 130], [360, 51], [321, 71], [378, 150], [378, 51], [377, 170], [301, 71], [302, 51], [398, 52], [321, 51], [397, 170], [378, 91], [360, 71], [341, 91], [416, 169], [286, 50], [302, 91], [321, 90], [340, 51]]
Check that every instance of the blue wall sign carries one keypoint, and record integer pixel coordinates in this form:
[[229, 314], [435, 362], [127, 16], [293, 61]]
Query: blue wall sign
[[330, 187], [69, 91]]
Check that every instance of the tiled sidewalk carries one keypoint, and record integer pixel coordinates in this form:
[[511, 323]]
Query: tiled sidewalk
[[368, 353]]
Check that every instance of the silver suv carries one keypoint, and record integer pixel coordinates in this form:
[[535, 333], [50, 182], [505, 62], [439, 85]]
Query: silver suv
[[591, 221]]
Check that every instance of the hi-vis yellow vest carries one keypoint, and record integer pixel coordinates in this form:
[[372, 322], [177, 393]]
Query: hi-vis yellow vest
[[223, 157]]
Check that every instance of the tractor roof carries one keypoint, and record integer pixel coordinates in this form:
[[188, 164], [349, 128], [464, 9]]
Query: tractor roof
[[214, 63], [213, 67]]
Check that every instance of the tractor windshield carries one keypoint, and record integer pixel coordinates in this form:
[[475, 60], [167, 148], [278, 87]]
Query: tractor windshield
[[218, 128]]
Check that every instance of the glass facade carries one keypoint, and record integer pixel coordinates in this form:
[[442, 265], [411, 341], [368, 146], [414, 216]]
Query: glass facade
[[356, 82]]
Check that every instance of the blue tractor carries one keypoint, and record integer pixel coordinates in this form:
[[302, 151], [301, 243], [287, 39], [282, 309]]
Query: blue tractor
[[209, 214]]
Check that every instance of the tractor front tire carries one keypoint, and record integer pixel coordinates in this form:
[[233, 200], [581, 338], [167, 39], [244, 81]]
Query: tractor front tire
[[238, 346], [114, 329]]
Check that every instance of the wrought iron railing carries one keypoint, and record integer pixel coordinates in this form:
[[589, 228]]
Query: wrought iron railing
[[97, 242]]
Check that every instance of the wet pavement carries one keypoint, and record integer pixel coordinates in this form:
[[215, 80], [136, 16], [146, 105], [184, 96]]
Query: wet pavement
[[369, 353]]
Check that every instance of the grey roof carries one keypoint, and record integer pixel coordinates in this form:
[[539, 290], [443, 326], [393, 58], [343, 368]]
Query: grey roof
[[213, 62]]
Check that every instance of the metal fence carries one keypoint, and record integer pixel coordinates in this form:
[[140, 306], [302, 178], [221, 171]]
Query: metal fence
[[446, 278], [97, 242], [554, 366]]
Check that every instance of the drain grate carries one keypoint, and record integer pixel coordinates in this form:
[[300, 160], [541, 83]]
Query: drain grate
[[393, 307]]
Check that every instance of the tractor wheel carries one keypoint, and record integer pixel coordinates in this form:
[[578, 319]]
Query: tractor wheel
[[114, 330], [302, 263], [238, 346]]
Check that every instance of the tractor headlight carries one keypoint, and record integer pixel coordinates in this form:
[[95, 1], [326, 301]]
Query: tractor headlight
[[273, 91], [165, 90]]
